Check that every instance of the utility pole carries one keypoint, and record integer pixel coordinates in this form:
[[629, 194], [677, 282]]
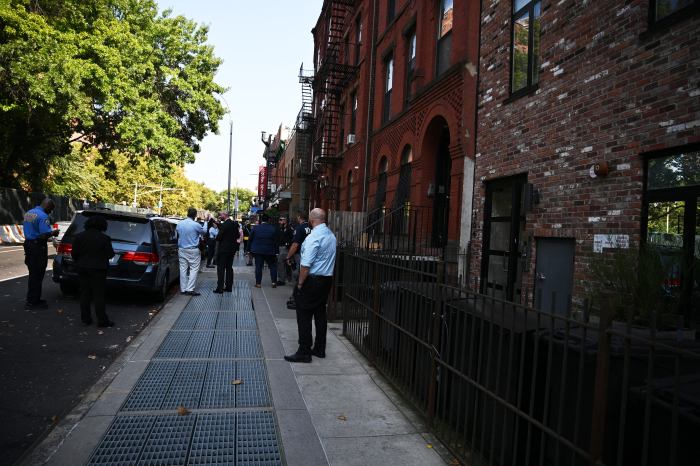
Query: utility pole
[[230, 149]]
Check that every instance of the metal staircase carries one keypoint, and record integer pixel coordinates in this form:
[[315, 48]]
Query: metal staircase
[[331, 78], [304, 125]]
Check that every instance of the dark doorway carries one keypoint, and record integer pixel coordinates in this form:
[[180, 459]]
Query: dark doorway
[[441, 199], [504, 221], [554, 274]]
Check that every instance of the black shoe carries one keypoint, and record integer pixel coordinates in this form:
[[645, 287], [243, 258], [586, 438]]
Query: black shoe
[[228, 290], [318, 353], [108, 323], [296, 357], [194, 293], [291, 305], [87, 322], [280, 283], [211, 267], [218, 291]]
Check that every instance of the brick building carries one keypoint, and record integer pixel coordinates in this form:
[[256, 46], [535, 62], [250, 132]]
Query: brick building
[[394, 106], [588, 126]]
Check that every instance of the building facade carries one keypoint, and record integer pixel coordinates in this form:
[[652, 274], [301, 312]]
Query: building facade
[[587, 142], [394, 106]]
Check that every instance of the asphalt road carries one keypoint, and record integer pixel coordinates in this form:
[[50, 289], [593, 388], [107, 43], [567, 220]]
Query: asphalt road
[[48, 359]]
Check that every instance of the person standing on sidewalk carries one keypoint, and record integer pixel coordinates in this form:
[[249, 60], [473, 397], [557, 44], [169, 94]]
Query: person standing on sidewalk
[[263, 246], [301, 231], [188, 233], [37, 231], [247, 228], [212, 232], [227, 240], [92, 250], [311, 293], [286, 232]]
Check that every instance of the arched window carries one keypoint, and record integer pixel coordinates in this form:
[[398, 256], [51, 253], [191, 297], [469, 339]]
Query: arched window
[[380, 198], [349, 193], [403, 191]]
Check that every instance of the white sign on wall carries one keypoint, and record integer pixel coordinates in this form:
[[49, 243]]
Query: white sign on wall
[[601, 242]]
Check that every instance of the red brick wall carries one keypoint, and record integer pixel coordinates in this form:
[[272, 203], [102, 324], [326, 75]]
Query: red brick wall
[[608, 91]]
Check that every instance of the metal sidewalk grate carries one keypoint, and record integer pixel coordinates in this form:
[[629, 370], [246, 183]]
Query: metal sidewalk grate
[[256, 439], [152, 387], [226, 321], [173, 346], [168, 441], [200, 384], [242, 438], [186, 387], [248, 345], [246, 321]]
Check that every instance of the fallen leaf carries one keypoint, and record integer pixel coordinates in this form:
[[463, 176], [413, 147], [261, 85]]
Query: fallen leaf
[[236, 382], [100, 332], [92, 356], [59, 312], [182, 411], [429, 446], [454, 461], [54, 419], [128, 339], [342, 418]]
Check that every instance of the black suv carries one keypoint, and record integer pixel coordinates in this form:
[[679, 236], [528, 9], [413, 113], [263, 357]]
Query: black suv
[[145, 252]]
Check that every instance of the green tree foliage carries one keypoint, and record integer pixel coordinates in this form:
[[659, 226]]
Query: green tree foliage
[[114, 74], [245, 199]]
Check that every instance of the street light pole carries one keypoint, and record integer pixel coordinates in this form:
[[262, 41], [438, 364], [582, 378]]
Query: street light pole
[[230, 149]]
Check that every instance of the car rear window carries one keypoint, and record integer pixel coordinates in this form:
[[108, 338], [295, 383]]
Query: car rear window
[[122, 229]]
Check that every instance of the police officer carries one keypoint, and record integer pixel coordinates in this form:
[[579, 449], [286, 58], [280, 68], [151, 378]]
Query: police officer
[[301, 231], [37, 231]]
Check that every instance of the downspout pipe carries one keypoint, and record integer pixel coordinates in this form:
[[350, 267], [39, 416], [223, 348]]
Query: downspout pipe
[[370, 104]]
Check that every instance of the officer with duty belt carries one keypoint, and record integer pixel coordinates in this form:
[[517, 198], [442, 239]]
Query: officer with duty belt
[[37, 231], [311, 293]]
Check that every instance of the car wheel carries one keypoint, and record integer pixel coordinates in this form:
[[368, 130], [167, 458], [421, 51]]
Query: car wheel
[[68, 288], [162, 293]]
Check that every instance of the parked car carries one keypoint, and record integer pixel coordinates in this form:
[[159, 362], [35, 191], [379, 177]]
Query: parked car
[[145, 252], [62, 228]]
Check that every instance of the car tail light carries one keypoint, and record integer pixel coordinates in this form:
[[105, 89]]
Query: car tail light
[[140, 258], [64, 249]]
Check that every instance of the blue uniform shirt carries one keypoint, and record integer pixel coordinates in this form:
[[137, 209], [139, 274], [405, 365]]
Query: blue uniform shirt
[[188, 232], [36, 223], [301, 232], [318, 251]]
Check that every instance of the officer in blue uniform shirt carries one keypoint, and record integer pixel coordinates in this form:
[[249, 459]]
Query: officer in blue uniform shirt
[[37, 231]]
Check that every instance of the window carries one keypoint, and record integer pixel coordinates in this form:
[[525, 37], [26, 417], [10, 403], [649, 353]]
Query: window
[[444, 44], [525, 45], [671, 226], [388, 85], [662, 9], [353, 113], [358, 38], [390, 11], [410, 62]]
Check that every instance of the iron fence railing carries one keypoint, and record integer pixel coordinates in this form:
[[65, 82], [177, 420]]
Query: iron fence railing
[[502, 383]]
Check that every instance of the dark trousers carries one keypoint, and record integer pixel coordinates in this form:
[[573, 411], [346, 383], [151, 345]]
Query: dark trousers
[[224, 271], [92, 290], [211, 250], [36, 256], [311, 304], [271, 261]]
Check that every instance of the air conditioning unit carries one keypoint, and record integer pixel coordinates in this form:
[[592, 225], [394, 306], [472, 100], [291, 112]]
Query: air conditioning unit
[[351, 138]]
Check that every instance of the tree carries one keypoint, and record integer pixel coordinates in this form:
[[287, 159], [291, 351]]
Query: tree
[[113, 74]]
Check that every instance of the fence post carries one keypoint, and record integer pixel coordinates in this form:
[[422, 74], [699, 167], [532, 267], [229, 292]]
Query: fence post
[[376, 308], [600, 387]]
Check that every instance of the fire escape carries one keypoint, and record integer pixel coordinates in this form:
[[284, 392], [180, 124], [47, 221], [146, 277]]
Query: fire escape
[[304, 125], [331, 77]]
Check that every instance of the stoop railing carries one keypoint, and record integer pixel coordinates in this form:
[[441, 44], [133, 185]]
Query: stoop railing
[[502, 383]]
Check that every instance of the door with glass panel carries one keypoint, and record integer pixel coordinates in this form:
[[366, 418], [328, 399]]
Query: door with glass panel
[[671, 228], [504, 221]]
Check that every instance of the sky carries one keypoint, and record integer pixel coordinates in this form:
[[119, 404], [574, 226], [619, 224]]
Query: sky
[[262, 45]]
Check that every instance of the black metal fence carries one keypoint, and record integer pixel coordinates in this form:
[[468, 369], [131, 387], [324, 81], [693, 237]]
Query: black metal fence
[[505, 384]]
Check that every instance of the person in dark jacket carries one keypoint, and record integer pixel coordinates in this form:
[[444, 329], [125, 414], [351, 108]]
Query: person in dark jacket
[[263, 246], [92, 250], [227, 240]]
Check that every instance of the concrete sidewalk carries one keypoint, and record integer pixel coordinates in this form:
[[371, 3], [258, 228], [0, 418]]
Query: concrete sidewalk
[[335, 410]]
